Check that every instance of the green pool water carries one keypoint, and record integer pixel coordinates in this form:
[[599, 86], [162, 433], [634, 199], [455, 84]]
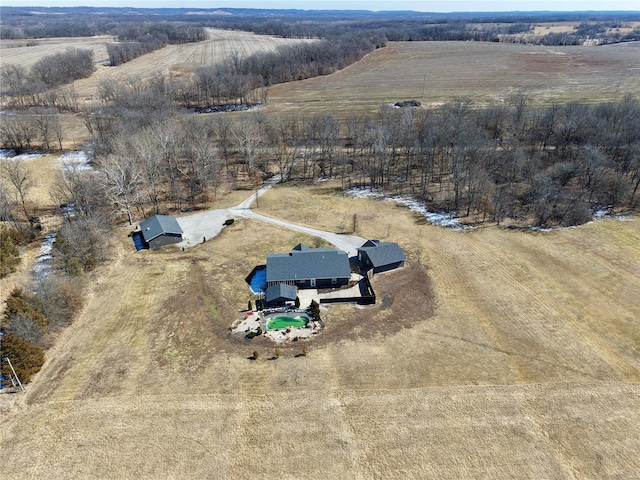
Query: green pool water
[[284, 321]]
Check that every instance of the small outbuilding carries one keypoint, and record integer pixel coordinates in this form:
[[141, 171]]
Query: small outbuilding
[[280, 294], [161, 230], [381, 256]]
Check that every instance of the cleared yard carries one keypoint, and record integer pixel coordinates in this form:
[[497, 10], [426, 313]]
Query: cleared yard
[[493, 353]]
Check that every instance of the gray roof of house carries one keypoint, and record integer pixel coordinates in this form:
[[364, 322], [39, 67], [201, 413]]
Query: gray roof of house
[[280, 291], [159, 224], [383, 253], [306, 264]]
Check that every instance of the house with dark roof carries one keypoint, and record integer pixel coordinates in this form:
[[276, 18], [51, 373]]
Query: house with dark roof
[[306, 267], [161, 230], [381, 256]]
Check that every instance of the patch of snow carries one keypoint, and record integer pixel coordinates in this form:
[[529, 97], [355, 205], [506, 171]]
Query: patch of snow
[[43, 264], [9, 154], [76, 160], [440, 219], [542, 229]]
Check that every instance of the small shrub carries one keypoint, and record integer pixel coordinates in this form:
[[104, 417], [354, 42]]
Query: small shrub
[[314, 311], [257, 333], [228, 221]]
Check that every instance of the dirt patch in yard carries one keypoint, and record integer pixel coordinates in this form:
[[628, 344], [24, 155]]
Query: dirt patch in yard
[[403, 297]]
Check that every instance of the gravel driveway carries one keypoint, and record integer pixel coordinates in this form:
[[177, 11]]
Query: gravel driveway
[[205, 225]]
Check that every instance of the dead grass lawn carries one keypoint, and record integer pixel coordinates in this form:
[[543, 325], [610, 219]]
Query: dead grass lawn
[[493, 353], [487, 73]]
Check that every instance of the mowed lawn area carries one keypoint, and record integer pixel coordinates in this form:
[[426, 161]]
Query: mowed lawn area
[[492, 354]]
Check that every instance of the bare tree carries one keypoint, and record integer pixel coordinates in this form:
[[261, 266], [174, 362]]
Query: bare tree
[[247, 136], [81, 188], [17, 132], [47, 122], [122, 183], [17, 174]]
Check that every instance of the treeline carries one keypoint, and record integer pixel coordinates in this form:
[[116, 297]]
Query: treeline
[[546, 166], [136, 40], [507, 26], [33, 316], [239, 79], [550, 166], [60, 68], [41, 129], [42, 85]]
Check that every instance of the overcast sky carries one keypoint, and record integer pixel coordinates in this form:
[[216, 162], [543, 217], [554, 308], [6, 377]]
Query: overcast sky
[[419, 5]]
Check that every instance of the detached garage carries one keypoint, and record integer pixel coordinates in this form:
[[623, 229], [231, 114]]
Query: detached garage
[[161, 230], [381, 256]]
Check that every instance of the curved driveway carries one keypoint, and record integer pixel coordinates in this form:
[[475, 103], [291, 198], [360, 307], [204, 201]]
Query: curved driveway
[[205, 225]]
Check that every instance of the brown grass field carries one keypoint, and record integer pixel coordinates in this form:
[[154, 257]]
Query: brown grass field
[[431, 72], [173, 60], [494, 353], [486, 73]]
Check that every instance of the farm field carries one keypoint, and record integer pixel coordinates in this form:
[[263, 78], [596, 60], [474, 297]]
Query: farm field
[[486, 73], [431, 72], [175, 60], [494, 353], [20, 52]]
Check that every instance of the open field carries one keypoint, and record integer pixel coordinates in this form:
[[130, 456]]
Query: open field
[[25, 53], [567, 27], [431, 72], [180, 60], [487, 73], [173, 60], [492, 354]]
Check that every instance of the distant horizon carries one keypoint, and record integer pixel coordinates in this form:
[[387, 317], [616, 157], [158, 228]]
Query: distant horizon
[[452, 6]]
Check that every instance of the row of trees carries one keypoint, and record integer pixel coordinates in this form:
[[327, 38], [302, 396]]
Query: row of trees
[[243, 79], [137, 39], [42, 129], [552, 165], [44, 85]]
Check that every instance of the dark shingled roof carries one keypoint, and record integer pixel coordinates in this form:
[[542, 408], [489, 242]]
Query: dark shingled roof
[[383, 253], [281, 292], [158, 225], [304, 263]]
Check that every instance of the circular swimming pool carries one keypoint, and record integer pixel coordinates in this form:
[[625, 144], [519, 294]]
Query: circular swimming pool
[[283, 321]]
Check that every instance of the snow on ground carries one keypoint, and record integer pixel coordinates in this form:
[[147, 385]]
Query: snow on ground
[[8, 154], [440, 219], [76, 160], [43, 263]]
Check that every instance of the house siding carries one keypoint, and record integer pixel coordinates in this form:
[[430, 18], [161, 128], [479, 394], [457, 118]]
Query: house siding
[[386, 268], [165, 239]]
